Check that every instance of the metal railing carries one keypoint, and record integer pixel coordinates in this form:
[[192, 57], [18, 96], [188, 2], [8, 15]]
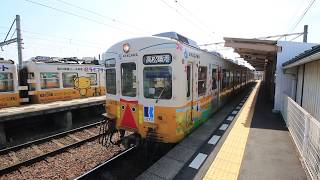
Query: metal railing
[[305, 131]]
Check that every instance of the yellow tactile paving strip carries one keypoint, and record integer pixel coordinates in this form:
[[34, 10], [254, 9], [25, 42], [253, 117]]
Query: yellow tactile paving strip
[[227, 163]]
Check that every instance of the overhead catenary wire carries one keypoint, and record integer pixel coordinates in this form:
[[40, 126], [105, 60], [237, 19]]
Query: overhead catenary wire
[[77, 15], [98, 14], [183, 16], [302, 15], [296, 37], [194, 16]]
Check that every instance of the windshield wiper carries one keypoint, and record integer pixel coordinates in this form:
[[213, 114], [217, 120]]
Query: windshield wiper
[[160, 94]]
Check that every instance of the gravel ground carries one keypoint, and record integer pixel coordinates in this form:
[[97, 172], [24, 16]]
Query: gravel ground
[[26, 153], [66, 140], [48, 147], [5, 160], [67, 165], [82, 135]]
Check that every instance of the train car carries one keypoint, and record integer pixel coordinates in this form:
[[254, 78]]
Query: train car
[[164, 86], [9, 92], [57, 81]]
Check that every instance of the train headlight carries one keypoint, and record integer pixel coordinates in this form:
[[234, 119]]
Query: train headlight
[[126, 48]]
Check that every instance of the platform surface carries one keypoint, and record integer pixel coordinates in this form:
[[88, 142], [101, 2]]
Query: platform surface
[[258, 146], [244, 140], [38, 109], [175, 160]]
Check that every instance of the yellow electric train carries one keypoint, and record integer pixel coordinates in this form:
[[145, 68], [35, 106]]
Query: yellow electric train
[[43, 80], [162, 87]]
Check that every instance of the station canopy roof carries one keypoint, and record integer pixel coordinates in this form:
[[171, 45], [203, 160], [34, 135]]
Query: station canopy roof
[[254, 51]]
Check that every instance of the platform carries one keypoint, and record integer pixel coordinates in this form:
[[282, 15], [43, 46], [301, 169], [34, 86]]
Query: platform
[[13, 113], [244, 140]]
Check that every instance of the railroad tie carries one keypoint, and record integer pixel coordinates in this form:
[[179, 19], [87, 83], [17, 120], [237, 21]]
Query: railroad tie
[[89, 132], [14, 157], [58, 143], [74, 137], [37, 150]]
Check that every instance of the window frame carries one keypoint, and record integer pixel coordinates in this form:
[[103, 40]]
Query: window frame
[[121, 78], [189, 79], [63, 79], [96, 77], [115, 80], [203, 93], [7, 80], [58, 78], [156, 66], [214, 76]]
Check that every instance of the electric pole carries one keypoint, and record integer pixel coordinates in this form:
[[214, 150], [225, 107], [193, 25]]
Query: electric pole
[[305, 33], [19, 41]]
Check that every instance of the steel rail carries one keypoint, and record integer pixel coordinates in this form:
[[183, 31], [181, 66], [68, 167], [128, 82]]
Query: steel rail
[[107, 162], [45, 139]]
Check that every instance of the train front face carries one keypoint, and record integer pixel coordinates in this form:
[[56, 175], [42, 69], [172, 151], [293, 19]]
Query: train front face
[[144, 90]]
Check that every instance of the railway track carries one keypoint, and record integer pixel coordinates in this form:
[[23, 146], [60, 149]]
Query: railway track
[[95, 172], [28, 153]]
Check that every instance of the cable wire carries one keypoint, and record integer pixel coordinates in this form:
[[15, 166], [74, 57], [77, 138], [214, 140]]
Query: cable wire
[[98, 14], [185, 18], [9, 30], [194, 16], [302, 16], [76, 15]]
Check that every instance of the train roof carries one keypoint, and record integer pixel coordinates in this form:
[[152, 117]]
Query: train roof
[[173, 37], [63, 60], [2, 61]]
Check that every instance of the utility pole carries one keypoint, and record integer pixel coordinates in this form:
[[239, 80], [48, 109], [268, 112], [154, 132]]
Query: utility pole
[[305, 33], [18, 40]]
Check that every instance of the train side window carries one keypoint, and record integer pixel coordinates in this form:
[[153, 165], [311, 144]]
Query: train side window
[[157, 82], [111, 81], [188, 81], [93, 79], [128, 79], [49, 80], [224, 78], [228, 78], [6, 82], [202, 80], [214, 79], [110, 63], [68, 79]]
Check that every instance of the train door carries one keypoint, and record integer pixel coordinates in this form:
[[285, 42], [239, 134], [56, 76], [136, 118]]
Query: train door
[[191, 95], [215, 87], [129, 100]]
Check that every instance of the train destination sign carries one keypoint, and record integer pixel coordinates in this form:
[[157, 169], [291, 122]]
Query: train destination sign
[[157, 59]]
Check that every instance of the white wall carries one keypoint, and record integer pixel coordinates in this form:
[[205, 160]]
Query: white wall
[[286, 81]]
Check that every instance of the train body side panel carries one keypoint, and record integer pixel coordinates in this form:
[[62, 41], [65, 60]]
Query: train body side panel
[[45, 96], [9, 100]]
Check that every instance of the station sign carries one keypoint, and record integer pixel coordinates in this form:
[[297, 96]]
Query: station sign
[[157, 59]]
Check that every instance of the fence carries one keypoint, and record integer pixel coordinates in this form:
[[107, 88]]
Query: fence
[[305, 131]]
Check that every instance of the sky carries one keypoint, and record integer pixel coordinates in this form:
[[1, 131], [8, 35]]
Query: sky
[[87, 28]]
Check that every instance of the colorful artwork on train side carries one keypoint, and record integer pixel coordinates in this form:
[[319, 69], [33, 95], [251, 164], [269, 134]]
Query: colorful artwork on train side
[[82, 84], [9, 100], [3, 68], [45, 96]]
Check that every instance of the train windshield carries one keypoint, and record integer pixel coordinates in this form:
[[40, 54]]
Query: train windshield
[[128, 79], [6, 82], [157, 82]]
